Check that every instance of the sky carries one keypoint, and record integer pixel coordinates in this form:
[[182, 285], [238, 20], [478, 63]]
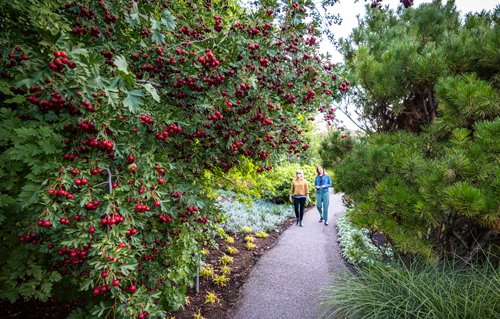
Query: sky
[[348, 10]]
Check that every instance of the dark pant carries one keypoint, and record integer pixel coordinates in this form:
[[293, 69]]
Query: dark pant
[[299, 204]]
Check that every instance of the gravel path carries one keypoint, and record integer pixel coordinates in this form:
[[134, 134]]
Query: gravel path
[[287, 281]]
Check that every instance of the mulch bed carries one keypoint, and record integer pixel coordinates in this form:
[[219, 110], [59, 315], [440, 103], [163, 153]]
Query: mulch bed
[[228, 295]]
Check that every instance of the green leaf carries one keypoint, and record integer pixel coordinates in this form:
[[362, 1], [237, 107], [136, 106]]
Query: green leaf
[[55, 276], [79, 52], [47, 287], [16, 100], [29, 194], [27, 82], [133, 100], [87, 285], [168, 20], [157, 36], [121, 64], [134, 17], [126, 269], [152, 90]]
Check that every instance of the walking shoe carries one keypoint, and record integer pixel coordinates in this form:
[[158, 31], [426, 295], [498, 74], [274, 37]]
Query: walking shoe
[[326, 223], [300, 224], [321, 220], [296, 222]]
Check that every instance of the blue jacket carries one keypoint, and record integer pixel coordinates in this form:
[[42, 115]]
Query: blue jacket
[[324, 182]]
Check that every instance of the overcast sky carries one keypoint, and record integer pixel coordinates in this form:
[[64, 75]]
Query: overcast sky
[[348, 10]]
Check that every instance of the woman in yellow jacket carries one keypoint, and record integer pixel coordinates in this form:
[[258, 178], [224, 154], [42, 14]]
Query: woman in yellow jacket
[[300, 193]]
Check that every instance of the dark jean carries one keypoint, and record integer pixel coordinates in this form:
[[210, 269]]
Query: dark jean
[[298, 204]]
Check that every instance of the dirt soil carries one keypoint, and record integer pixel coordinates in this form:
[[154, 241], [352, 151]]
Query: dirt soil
[[228, 295]]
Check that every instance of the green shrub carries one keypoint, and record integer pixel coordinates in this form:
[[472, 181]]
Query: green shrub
[[356, 246], [334, 146], [429, 196]]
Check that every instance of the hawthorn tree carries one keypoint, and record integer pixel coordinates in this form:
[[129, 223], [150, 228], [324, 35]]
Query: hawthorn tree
[[111, 112]]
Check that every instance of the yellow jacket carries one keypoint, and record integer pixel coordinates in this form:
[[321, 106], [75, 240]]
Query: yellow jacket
[[299, 187]]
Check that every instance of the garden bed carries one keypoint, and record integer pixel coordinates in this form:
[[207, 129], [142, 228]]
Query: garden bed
[[228, 295]]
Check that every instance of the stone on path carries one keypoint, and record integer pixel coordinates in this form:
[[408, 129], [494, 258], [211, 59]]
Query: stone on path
[[287, 281]]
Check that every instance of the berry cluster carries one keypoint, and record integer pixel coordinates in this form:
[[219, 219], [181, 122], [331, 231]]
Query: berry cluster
[[146, 120], [56, 102], [208, 60], [164, 218], [17, 57], [64, 221], [80, 181], [86, 21], [92, 205], [141, 208], [59, 61], [104, 146], [31, 238], [218, 23], [216, 116], [112, 219], [61, 192], [44, 223], [344, 86], [75, 256]]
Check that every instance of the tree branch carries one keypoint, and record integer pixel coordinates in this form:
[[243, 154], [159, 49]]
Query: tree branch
[[156, 85], [110, 180], [490, 235], [364, 129]]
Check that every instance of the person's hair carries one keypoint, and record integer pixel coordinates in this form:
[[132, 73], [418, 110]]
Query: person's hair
[[317, 170]]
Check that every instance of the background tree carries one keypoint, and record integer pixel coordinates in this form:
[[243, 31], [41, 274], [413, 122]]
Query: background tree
[[429, 179], [396, 57]]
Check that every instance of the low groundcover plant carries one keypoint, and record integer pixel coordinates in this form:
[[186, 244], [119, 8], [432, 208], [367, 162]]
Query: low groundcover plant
[[261, 216], [357, 247]]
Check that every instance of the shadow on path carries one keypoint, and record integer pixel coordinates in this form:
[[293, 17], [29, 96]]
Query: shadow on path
[[287, 281]]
